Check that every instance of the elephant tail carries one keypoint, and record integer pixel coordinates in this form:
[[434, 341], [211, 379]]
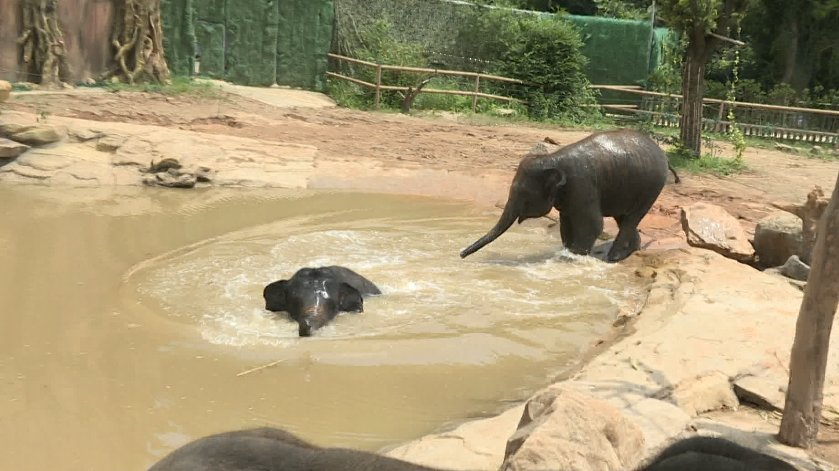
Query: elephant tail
[[678, 180]]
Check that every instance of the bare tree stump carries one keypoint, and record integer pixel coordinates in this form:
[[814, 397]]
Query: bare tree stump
[[42, 43], [411, 95], [808, 361], [138, 42], [810, 213]]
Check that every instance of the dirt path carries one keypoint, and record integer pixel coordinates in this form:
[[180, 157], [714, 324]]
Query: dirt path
[[401, 141]]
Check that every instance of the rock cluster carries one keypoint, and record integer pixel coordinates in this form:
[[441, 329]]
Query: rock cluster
[[17, 137], [170, 174]]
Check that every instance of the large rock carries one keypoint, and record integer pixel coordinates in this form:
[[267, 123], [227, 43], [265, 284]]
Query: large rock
[[796, 269], [565, 429], [710, 227], [707, 392], [777, 238], [5, 90], [11, 149], [39, 135]]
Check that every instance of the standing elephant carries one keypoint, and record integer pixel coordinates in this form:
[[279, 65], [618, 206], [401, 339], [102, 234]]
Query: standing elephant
[[314, 296], [615, 173]]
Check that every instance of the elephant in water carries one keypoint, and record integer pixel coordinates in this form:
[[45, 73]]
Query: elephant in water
[[718, 454], [615, 173], [314, 296], [271, 449]]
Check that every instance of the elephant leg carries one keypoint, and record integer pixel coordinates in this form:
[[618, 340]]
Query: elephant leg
[[579, 231], [628, 240]]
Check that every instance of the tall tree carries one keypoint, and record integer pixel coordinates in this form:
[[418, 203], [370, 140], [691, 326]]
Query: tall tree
[[808, 361], [797, 41], [138, 42], [704, 24], [42, 43]]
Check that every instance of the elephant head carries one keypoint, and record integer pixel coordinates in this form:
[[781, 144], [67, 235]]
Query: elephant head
[[312, 297], [533, 193]]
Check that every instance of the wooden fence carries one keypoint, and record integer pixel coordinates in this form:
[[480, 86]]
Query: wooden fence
[[753, 119], [378, 86]]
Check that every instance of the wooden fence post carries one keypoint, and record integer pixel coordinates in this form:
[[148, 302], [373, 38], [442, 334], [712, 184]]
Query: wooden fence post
[[475, 96], [720, 117], [378, 97]]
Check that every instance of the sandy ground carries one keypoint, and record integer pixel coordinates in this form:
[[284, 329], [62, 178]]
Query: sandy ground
[[443, 143], [428, 142]]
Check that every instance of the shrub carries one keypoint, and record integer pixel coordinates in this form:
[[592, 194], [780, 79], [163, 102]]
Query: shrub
[[545, 52]]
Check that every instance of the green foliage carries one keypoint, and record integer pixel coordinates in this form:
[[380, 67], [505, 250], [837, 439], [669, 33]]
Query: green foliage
[[685, 15], [682, 158], [179, 85], [543, 52], [626, 9], [667, 77]]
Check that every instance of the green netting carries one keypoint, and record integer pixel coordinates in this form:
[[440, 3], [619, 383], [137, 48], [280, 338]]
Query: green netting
[[305, 34], [619, 51], [210, 40], [430, 22], [211, 11], [250, 42], [178, 35]]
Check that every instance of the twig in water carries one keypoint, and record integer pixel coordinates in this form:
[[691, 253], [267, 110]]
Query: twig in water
[[269, 365]]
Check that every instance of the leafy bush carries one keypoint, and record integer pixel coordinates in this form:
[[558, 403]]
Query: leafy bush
[[543, 52]]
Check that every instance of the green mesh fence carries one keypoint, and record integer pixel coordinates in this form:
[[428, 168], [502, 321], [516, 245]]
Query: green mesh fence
[[305, 32], [250, 42], [178, 34], [619, 51]]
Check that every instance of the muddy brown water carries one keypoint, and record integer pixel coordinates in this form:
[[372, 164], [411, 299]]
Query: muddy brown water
[[127, 315]]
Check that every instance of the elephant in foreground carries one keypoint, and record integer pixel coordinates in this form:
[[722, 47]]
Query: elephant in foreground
[[272, 449], [710, 453], [314, 296], [614, 173]]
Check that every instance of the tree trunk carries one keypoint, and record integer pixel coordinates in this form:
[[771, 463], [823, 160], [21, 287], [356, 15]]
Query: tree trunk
[[138, 42], [802, 411], [42, 43], [698, 50]]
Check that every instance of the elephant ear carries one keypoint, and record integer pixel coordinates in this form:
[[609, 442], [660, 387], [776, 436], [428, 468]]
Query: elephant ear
[[275, 296], [556, 181], [349, 299]]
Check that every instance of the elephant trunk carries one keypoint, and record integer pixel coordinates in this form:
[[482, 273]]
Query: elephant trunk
[[508, 217]]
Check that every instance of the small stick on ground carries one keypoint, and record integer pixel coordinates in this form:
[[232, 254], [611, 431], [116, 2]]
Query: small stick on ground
[[258, 368]]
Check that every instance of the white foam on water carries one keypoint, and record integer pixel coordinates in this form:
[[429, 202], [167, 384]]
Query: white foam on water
[[426, 286]]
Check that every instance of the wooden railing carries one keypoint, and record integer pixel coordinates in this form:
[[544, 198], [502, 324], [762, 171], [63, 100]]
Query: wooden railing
[[753, 119], [379, 87]]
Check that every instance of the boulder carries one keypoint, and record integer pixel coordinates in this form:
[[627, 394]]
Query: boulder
[[544, 148], [10, 149], [796, 269], [171, 179], [561, 428], [708, 392], [710, 227], [38, 135], [204, 174], [109, 143], [5, 90], [777, 238]]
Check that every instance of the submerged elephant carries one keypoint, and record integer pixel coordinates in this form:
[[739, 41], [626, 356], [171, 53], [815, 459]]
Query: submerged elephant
[[718, 454], [314, 296], [272, 449], [614, 173]]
